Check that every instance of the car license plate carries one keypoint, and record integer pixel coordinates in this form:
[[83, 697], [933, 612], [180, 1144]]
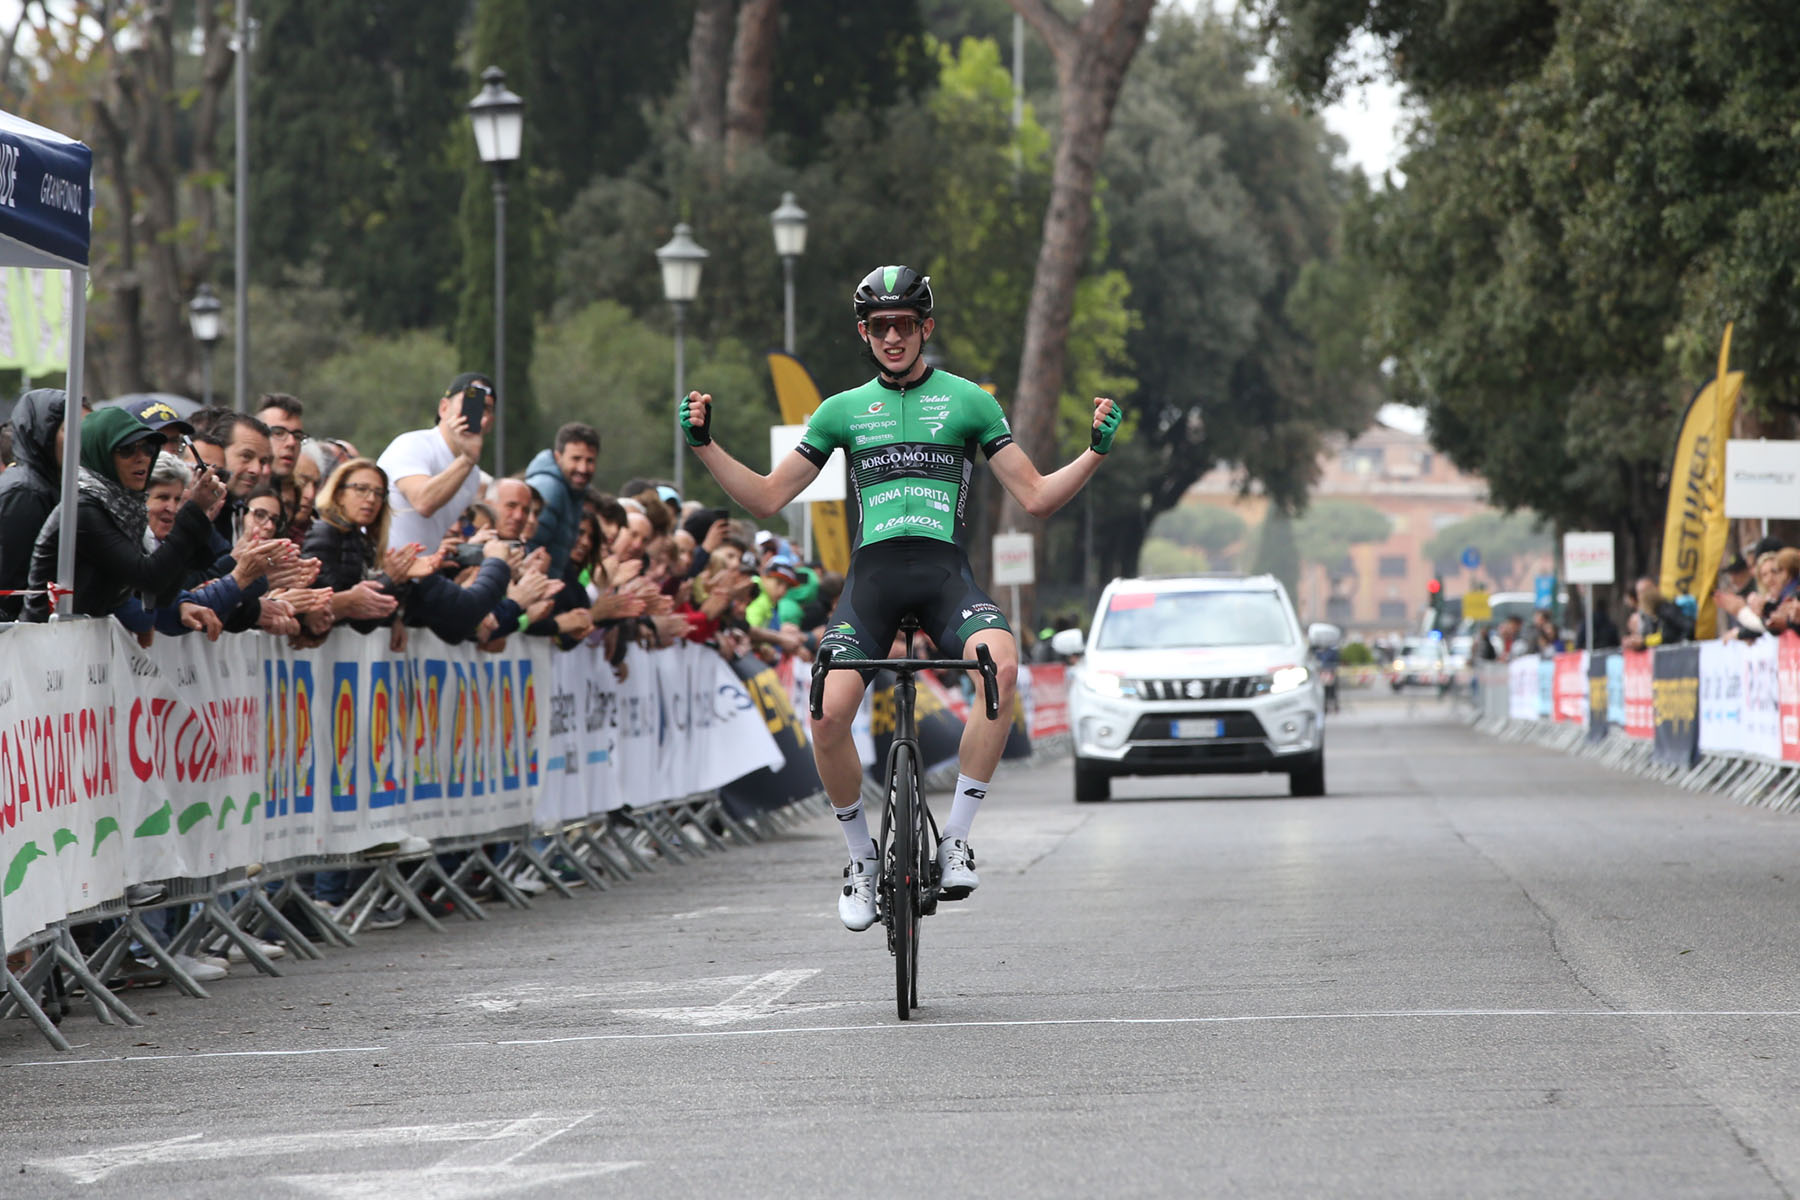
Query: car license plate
[[1189, 727]]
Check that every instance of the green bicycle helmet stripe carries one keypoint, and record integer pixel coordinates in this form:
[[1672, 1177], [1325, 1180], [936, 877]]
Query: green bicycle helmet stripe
[[893, 286]]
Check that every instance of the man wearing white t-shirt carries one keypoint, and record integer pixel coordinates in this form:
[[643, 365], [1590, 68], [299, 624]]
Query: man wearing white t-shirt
[[433, 474]]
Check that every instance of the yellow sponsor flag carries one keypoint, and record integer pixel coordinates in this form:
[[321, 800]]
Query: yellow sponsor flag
[[1695, 528], [799, 396]]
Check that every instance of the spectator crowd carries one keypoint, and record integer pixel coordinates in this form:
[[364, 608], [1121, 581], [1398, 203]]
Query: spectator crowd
[[1758, 594], [225, 522]]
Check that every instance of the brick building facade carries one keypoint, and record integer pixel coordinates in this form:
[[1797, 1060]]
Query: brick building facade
[[1420, 491]]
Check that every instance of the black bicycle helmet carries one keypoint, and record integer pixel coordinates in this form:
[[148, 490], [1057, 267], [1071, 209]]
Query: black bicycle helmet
[[893, 287]]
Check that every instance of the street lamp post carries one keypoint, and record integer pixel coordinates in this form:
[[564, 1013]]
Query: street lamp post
[[789, 223], [680, 260], [204, 320], [498, 118]]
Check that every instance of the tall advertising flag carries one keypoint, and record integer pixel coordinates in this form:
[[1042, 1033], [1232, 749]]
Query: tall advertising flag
[[799, 396], [1695, 528]]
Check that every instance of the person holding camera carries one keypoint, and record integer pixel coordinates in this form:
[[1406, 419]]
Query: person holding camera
[[435, 473]]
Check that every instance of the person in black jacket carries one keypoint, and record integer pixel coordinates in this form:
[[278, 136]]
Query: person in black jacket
[[349, 539], [30, 488], [117, 451]]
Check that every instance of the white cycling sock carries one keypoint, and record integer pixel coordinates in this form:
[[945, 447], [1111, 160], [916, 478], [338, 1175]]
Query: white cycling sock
[[856, 830], [969, 795]]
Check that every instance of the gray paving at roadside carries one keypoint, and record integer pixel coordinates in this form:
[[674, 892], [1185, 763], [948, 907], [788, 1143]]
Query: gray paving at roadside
[[1473, 969]]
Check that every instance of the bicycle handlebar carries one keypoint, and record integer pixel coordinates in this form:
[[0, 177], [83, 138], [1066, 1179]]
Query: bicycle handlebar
[[982, 662]]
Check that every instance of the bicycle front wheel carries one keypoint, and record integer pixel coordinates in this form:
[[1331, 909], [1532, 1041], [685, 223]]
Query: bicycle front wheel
[[903, 866]]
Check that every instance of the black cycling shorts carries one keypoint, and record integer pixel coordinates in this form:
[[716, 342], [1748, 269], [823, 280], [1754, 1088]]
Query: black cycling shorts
[[923, 576]]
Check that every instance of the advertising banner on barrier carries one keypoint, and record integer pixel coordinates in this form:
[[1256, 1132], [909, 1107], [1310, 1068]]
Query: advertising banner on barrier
[[1675, 690], [680, 722], [1788, 685], [191, 759], [441, 741], [1569, 688], [1599, 703], [785, 771], [1638, 687], [1762, 699], [1045, 688], [1615, 690], [62, 773], [1721, 697], [1522, 688], [191, 726]]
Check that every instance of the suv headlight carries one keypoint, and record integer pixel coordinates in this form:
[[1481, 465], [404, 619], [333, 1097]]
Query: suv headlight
[[1287, 679], [1104, 683]]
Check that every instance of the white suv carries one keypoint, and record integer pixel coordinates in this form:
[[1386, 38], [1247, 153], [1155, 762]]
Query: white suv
[[1195, 675]]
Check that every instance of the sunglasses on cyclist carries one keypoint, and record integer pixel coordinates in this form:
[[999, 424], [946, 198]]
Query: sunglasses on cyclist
[[904, 324]]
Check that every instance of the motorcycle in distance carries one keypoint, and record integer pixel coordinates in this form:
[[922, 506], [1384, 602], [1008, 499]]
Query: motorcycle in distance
[[1324, 640]]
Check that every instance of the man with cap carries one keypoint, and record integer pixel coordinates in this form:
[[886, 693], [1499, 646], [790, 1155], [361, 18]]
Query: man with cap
[[773, 617], [434, 473], [1739, 617], [775, 608], [158, 415]]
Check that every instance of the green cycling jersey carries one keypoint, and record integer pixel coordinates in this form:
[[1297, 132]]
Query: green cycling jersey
[[912, 452]]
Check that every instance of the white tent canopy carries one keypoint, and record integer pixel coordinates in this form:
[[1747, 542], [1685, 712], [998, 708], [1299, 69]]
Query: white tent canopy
[[46, 203]]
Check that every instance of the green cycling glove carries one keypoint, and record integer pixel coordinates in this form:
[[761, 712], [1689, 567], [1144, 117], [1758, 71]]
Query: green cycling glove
[[697, 433], [1102, 437]]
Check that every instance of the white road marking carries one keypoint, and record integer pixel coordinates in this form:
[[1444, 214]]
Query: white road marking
[[486, 1168], [513, 998], [761, 997], [195, 1147], [450, 1183], [1273, 1018], [719, 910], [921, 1027]]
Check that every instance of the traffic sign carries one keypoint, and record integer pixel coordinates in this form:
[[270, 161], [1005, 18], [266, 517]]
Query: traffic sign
[[1588, 557], [1014, 560], [1471, 558], [828, 485], [1477, 606], [1544, 591]]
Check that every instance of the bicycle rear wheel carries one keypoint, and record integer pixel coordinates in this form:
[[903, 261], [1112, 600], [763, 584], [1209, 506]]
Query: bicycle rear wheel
[[904, 894]]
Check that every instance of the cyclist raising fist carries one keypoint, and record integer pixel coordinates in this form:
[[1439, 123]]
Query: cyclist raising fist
[[911, 434]]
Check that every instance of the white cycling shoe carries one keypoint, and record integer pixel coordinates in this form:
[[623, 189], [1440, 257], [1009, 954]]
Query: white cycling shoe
[[956, 869], [856, 906]]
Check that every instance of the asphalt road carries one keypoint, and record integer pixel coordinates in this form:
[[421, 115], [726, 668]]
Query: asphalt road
[[1473, 969]]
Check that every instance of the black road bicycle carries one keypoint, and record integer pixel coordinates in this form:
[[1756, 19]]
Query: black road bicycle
[[908, 885]]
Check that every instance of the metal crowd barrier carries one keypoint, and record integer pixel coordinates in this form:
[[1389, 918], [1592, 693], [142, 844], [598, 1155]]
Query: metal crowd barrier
[[1748, 779]]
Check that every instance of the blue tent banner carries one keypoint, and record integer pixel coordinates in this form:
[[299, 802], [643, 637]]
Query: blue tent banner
[[46, 194]]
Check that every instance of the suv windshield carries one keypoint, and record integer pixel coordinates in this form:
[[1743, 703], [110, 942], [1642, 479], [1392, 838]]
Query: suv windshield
[[1159, 620]]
